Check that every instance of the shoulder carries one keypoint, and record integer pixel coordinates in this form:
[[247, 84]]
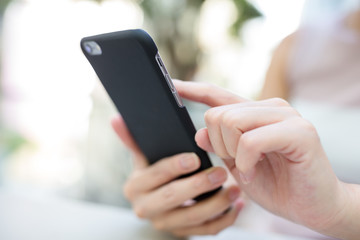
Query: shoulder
[[286, 44]]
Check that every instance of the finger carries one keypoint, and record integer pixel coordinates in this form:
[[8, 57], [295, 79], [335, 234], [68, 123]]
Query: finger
[[212, 120], [206, 93], [160, 173], [199, 213], [271, 102], [236, 121], [174, 194], [291, 138], [212, 227], [246, 119], [203, 141], [231, 138], [227, 123], [122, 131]]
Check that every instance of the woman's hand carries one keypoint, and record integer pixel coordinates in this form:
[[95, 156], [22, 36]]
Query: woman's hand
[[156, 194], [275, 155]]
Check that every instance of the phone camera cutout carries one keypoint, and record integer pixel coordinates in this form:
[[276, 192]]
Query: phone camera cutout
[[92, 48]]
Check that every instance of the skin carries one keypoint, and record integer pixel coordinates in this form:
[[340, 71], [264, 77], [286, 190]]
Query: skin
[[156, 194], [277, 159], [275, 84]]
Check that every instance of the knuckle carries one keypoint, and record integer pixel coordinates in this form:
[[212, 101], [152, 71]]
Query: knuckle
[[248, 142], [140, 211], [128, 191], [231, 121], [159, 225], [292, 111], [302, 123], [213, 230], [309, 126], [193, 218], [198, 181], [213, 115], [227, 119], [167, 169], [163, 174], [306, 125], [168, 194], [279, 102], [209, 116]]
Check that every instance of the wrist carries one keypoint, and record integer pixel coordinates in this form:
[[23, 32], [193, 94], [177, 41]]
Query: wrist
[[345, 220]]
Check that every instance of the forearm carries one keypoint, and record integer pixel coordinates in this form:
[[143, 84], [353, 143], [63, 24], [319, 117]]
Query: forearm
[[347, 223]]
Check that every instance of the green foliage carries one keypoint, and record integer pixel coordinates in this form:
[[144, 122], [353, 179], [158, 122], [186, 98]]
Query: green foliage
[[3, 4], [9, 142], [245, 12], [173, 24]]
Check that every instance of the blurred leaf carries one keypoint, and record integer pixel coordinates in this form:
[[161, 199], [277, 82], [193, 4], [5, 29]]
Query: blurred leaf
[[245, 12], [3, 5], [173, 25], [10, 142]]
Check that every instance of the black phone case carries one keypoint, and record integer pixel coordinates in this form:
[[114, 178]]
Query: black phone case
[[129, 71]]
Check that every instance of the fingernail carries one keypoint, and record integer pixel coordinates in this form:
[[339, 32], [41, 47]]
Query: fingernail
[[247, 177], [234, 194], [217, 176], [243, 178], [239, 204], [188, 160]]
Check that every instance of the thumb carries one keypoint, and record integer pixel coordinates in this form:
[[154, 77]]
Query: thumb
[[122, 131], [203, 141]]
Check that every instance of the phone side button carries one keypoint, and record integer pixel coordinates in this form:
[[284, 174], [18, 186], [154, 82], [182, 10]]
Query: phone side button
[[170, 83], [178, 99]]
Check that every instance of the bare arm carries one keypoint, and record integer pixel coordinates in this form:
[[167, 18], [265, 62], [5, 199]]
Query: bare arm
[[275, 84], [347, 224]]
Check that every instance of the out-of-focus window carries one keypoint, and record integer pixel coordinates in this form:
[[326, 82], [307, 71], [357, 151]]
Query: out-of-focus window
[[47, 85]]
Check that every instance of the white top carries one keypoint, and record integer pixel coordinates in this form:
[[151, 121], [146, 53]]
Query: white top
[[324, 65], [324, 83]]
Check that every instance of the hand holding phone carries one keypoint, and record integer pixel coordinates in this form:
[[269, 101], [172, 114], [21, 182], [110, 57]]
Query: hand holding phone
[[160, 198], [130, 68]]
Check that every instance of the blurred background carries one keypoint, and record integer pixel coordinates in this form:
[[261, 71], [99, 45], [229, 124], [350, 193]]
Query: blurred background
[[55, 132]]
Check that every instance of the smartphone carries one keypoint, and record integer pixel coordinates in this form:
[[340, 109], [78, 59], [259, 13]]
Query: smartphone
[[131, 70]]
